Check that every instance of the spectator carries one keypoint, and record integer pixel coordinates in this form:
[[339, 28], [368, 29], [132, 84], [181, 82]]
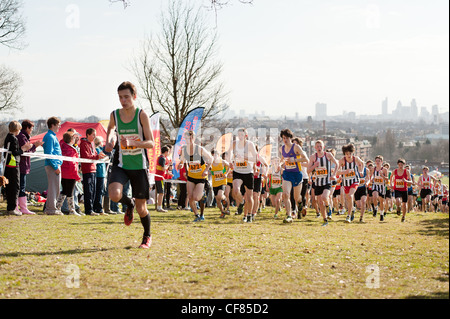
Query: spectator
[[100, 178], [52, 166], [69, 173], [12, 172], [89, 170], [25, 163], [161, 167]]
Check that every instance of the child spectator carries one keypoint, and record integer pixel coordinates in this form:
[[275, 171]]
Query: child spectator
[[69, 173], [12, 172]]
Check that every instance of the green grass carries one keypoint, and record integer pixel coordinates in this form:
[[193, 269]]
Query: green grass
[[224, 258]]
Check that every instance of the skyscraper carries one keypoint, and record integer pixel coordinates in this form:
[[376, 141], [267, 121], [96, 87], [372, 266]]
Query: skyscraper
[[384, 107], [321, 111]]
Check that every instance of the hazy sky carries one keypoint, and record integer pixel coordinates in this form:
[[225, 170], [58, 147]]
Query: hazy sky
[[279, 56]]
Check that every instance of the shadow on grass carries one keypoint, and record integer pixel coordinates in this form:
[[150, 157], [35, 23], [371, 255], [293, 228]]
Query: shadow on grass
[[435, 227], [434, 295], [64, 252]]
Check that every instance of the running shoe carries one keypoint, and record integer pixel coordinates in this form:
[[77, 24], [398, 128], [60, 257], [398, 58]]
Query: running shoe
[[222, 215], [352, 216], [381, 217], [348, 219], [287, 220], [128, 217], [325, 223], [403, 219], [240, 209], [197, 218], [244, 219], [249, 219], [361, 219], [304, 212], [202, 218], [146, 242]]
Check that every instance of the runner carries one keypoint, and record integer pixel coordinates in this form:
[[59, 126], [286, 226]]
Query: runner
[[229, 185], [388, 198], [131, 126], [335, 192], [219, 172], [370, 168], [305, 183], [257, 182], [162, 165], [321, 163], [379, 179], [350, 166], [361, 192], [411, 185], [425, 184], [399, 179], [274, 185], [292, 157], [197, 161], [244, 155]]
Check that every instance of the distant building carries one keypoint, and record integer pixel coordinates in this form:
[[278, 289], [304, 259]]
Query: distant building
[[321, 111], [384, 107]]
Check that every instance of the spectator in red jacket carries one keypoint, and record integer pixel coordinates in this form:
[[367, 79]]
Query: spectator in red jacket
[[69, 173], [87, 150]]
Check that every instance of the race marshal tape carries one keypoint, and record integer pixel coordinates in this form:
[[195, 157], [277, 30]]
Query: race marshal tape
[[79, 160]]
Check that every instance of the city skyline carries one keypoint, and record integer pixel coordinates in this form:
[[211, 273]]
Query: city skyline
[[279, 57]]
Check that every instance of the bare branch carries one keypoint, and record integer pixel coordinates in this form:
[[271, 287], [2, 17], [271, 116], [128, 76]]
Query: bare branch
[[12, 24], [10, 82], [176, 68]]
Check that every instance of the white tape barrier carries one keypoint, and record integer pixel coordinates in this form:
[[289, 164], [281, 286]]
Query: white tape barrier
[[79, 160]]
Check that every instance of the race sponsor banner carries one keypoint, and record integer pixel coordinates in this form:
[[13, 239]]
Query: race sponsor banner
[[192, 121], [266, 153], [155, 152], [224, 143]]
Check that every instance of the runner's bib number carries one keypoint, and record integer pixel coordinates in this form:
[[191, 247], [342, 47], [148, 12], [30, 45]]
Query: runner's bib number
[[195, 167]]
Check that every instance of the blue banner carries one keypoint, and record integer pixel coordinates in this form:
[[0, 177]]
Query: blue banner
[[191, 122]]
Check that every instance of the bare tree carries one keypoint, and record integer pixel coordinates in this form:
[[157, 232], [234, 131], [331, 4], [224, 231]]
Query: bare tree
[[10, 82], [12, 24], [176, 70]]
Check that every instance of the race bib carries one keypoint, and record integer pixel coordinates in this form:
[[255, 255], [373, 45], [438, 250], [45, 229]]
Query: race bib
[[130, 150], [362, 181], [426, 184], [350, 175], [378, 180], [219, 176], [276, 182], [243, 164], [291, 165], [399, 183], [321, 172], [195, 167]]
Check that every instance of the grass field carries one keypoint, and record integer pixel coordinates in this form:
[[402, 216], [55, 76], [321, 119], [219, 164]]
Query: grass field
[[224, 258]]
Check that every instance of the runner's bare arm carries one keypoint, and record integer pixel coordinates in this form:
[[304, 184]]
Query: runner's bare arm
[[110, 134]]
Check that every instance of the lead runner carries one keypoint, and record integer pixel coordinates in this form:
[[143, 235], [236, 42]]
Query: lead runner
[[131, 125]]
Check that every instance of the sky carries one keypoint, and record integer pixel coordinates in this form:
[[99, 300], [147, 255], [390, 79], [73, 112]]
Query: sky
[[280, 57]]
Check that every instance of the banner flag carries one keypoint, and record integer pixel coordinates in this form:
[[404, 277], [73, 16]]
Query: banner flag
[[266, 152], [155, 152], [192, 121], [224, 143]]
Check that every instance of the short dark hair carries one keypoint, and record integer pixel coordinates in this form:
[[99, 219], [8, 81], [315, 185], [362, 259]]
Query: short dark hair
[[348, 148], [90, 130], [27, 124], [127, 86], [298, 140], [164, 149], [67, 137], [401, 160], [286, 132], [53, 121]]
